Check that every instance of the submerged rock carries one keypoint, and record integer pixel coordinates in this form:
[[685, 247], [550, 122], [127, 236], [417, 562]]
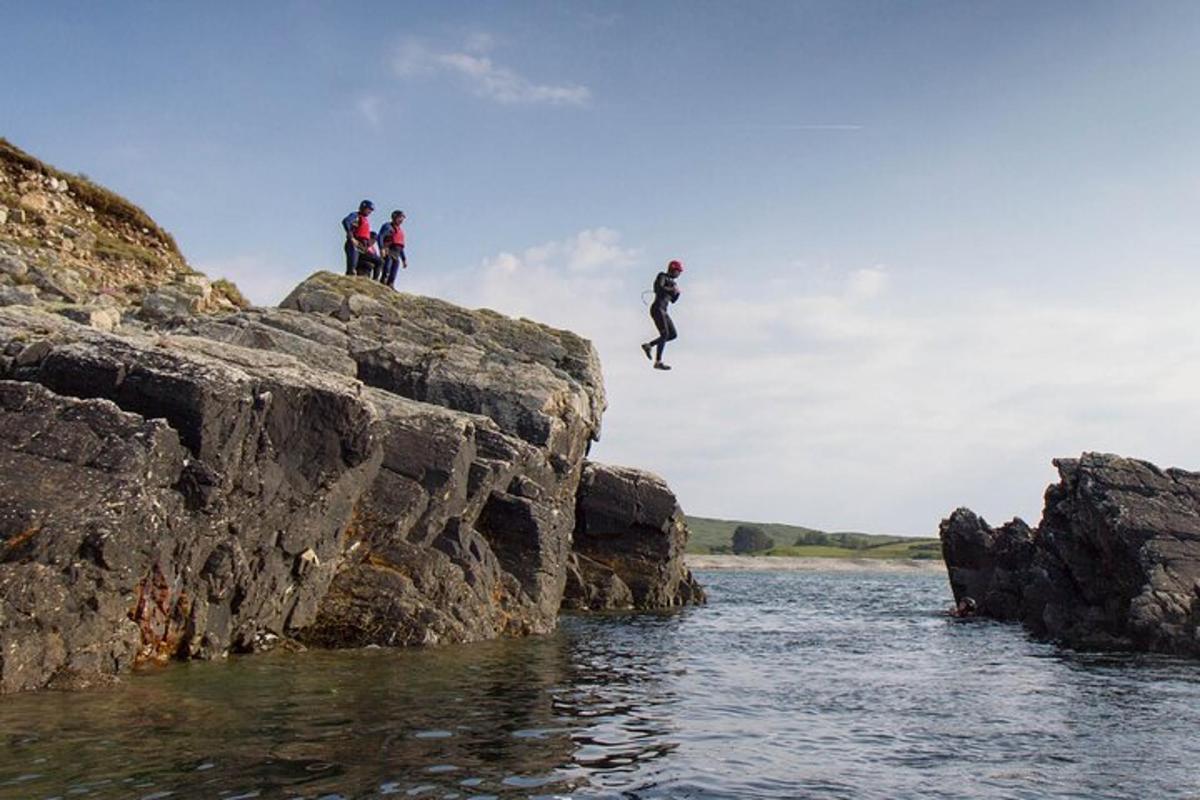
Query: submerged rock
[[1114, 563], [361, 467]]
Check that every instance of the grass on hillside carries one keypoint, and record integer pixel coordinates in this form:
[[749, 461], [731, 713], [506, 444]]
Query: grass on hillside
[[110, 247], [105, 202], [710, 535], [229, 290], [920, 549]]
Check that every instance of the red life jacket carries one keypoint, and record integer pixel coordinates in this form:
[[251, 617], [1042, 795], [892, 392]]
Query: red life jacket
[[362, 228], [397, 237]]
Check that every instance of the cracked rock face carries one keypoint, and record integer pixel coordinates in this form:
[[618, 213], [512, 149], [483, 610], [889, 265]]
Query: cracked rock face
[[629, 541], [1114, 564], [357, 467]]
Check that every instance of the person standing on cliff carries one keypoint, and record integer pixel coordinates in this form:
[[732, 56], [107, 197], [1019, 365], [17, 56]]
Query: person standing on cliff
[[666, 291], [391, 247], [360, 242]]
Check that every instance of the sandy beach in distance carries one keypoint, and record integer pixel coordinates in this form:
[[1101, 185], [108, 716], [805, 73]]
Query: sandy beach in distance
[[784, 563]]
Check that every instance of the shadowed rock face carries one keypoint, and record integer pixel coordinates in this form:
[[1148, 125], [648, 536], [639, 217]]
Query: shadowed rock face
[[629, 541], [360, 467], [1114, 564]]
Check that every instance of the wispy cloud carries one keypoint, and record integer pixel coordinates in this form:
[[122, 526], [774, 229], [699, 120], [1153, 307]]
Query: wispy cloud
[[370, 107], [482, 74]]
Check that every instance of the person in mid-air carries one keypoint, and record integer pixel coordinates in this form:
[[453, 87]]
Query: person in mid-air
[[666, 291], [391, 247], [360, 242]]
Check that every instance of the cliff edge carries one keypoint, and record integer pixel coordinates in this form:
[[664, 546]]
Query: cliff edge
[[356, 467]]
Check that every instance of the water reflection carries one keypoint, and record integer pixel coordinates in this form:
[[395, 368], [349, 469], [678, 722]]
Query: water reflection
[[504, 718], [786, 686]]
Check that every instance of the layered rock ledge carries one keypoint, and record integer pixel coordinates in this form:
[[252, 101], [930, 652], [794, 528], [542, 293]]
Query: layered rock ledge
[[1113, 564], [356, 467]]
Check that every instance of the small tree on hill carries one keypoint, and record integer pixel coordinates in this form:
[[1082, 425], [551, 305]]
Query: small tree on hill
[[749, 539]]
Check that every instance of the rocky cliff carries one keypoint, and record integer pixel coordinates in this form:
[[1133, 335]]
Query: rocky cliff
[[79, 250], [355, 467], [1114, 563]]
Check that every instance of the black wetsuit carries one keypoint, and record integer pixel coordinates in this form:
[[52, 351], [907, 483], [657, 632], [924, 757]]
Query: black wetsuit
[[665, 292]]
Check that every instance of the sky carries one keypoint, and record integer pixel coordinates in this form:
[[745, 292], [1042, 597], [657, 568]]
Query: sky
[[929, 246]]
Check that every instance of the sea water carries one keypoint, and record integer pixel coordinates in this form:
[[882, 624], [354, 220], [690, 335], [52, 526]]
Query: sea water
[[788, 685]]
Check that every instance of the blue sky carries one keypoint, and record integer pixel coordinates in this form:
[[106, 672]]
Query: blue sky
[[929, 245]]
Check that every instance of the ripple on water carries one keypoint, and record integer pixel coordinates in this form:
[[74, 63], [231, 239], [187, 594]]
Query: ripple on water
[[789, 685]]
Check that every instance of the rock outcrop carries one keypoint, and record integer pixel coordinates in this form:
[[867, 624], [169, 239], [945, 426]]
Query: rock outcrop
[[1114, 563], [356, 467], [183, 479], [630, 537]]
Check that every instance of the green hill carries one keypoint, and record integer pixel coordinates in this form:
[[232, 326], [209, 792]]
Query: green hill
[[710, 535]]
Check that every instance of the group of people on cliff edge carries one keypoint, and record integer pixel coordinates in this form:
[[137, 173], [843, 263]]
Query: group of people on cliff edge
[[379, 255]]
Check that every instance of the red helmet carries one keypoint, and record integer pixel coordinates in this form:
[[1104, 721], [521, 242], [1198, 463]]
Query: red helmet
[[677, 266]]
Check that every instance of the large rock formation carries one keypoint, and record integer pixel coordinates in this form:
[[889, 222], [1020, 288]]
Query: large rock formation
[[1114, 563], [356, 467]]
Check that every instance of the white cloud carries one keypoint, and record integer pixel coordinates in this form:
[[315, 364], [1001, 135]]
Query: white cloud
[[480, 42], [484, 76], [371, 108], [863, 403], [868, 282], [573, 282], [262, 280], [845, 399], [413, 58], [592, 249]]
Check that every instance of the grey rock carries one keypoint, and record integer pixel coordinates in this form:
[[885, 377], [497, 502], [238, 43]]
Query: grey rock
[[284, 332], [390, 470], [61, 281], [11, 265], [592, 586], [3, 215], [102, 317], [1114, 563], [17, 296], [172, 303], [537, 383], [629, 521]]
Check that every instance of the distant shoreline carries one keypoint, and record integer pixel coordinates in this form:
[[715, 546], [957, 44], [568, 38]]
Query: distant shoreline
[[792, 564]]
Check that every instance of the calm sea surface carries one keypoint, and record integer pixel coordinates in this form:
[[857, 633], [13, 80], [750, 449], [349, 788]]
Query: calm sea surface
[[789, 685]]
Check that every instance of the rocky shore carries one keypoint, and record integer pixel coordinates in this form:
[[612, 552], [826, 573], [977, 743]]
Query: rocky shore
[[356, 467], [1113, 564]]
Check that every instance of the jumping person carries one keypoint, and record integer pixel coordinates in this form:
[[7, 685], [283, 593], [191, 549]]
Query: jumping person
[[665, 292], [360, 242], [391, 247]]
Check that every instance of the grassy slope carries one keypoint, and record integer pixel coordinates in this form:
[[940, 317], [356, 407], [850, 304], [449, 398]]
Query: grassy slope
[[108, 204], [708, 533]]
